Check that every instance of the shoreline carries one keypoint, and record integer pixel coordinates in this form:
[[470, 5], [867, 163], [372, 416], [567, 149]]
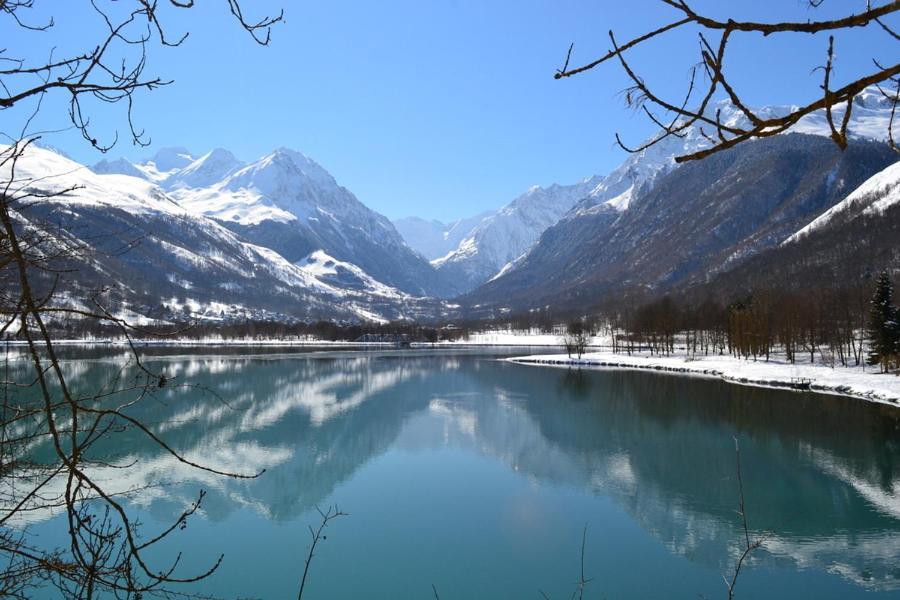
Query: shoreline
[[141, 343], [852, 382], [842, 381]]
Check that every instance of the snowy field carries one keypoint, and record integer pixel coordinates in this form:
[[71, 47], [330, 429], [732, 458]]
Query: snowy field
[[859, 382]]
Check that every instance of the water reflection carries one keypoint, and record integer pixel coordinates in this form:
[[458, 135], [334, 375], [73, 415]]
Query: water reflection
[[821, 473]]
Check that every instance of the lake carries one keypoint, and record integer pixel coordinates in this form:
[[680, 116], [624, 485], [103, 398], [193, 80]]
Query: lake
[[478, 476]]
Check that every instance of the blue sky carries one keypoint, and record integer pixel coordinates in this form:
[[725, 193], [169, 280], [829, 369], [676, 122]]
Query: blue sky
[[434, 108]]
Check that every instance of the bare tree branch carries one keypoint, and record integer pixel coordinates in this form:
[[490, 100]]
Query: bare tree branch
[[683, 115]]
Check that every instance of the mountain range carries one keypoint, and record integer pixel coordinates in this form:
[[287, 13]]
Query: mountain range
[[698, 221], [211, 236], [287, 202], [653, 228], [502, 237], [162, 259]]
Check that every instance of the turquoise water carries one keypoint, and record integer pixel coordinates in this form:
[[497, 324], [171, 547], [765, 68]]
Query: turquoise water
[[478, 476]]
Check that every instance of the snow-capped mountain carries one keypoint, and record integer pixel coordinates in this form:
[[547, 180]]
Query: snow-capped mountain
[[606, 210], [434, 239], [870, 120], [499, 243], [220, 237], [165, 261], [508, 233], [205, 171], [287, 202], [694, 223], [156, 169]]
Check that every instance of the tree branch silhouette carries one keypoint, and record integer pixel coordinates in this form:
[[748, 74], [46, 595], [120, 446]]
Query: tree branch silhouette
[[696, 109]]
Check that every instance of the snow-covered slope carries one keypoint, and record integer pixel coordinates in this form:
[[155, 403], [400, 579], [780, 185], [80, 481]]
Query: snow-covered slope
[[497, 245], [287, 202], [157, 169], [594, 216], [345, 275], [695, 223], [183, 264], [207, 170], [434, 239], [874, 197], [507, 234], [870, 119], [845, 244]]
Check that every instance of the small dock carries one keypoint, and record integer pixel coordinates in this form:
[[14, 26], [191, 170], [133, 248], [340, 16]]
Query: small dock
[[800, 383]]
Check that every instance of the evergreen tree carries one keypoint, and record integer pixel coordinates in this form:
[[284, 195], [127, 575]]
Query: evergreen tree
[[883, 328]]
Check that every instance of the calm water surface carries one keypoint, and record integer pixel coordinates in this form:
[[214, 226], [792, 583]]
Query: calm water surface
[[478, 476]]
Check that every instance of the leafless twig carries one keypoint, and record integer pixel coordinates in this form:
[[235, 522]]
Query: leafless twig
[[749, 546], [696, 109], [317, 534]]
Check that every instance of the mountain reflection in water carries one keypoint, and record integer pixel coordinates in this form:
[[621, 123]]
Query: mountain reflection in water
[[820, 472]]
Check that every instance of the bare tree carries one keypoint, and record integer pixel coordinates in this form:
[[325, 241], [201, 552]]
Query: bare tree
[[110, 70], [108, 551], [708, 80], [576, 338]]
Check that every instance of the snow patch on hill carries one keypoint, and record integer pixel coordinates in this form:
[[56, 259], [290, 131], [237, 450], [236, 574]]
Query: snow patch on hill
[[326, 268], [879, 192]]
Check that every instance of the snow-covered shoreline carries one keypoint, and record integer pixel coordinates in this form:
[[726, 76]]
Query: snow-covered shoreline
[[862, 383]]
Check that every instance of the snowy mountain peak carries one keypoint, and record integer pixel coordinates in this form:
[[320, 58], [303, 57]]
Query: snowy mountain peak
[[190, 264], [158, 168], [216, 155], [279, 168], [434, 239], [870, 118], [169, 159], [119, 166], [504, 236], [873, 99], [205, 171]]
